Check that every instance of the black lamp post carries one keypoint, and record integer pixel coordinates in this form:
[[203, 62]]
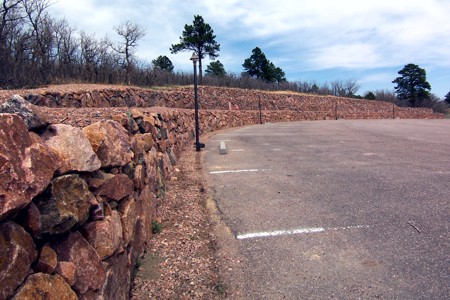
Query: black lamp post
[[198, 146]]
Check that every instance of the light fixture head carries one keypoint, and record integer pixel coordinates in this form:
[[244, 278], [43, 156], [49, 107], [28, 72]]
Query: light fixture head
[[194, 57]]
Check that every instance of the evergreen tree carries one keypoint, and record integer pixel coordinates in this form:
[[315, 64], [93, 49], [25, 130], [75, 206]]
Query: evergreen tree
[[260, 67], [215, 68], [200, 38], [163, 63], [412, 85], [370, 96], [447, 98]]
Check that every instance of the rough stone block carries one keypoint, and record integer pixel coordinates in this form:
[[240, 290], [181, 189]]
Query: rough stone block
[[26, 168], [65, 204], [72, 148], [110, 142], [17, 253], [89, 271], [42, 286]]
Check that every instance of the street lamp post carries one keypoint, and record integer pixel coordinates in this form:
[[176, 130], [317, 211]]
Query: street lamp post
[[194, 59]]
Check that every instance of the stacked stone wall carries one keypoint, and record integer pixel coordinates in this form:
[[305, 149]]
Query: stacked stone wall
[[223, 98], [79, 188]]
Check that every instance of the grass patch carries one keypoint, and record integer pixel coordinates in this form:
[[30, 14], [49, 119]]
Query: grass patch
[[157, 227], [221, 289]]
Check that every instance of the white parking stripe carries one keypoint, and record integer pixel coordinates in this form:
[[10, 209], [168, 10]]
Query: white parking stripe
[[295, 231], [237, 171], [279, 232]]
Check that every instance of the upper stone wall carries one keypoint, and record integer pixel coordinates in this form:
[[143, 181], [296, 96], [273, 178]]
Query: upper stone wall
[[218, 98]]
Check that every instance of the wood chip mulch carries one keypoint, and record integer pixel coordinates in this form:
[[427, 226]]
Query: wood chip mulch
[[186, 259]]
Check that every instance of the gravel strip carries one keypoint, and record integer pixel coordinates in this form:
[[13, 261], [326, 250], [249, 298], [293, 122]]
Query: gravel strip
[[185, 260]]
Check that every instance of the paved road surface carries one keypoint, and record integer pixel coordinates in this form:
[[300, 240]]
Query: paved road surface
[[338, 209]]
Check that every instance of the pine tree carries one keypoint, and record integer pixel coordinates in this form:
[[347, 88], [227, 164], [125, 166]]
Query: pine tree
[[412, 85], [200, 38]]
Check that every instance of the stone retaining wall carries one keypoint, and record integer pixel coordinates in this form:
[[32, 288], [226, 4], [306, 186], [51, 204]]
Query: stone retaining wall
[[222, 98], [78, 197], [77, 203]]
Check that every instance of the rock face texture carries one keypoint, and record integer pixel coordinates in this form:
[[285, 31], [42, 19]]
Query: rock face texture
[[41, 286], [47, 260], [17, 253], [72, 148], [77, 200], [105, 235], [26, 168], [65, 204], [110, 142], [89, 271]]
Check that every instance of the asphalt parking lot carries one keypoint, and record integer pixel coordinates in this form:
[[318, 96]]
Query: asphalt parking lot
[[337, 209]]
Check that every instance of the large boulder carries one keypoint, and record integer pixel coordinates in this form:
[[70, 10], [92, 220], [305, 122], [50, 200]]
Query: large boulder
[[42, 286], [26, 168], [28, 112], [111, 143], [105, 235], [17, 253], [90, 274], [72, 147], [64, 204]]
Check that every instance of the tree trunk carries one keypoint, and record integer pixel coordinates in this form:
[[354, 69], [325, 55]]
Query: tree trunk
[[200, 74]]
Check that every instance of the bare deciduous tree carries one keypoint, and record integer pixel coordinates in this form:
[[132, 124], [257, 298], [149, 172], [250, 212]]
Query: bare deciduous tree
[[66, 49], [131, 33]]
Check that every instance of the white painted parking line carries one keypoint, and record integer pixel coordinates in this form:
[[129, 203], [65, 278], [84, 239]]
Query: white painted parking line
[[255, 150], [237, 171], [295, 231], [278, 232]]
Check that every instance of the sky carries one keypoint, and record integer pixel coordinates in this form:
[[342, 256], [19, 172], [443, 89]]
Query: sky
[[311, 40]]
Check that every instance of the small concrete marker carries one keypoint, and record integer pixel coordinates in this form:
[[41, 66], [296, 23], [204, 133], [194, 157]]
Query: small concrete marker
[[222, 148]]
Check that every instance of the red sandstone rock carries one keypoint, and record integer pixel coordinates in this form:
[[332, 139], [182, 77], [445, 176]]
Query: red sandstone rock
[[17, 253], [65, 204], [72, 147], [118, 280], [42, 286], [67, 270], [89, 271], [127, 209], [145, 208], [110, 142], [47, 260], [138, 177], [97, 179], [148, 141], [105, 235], [30, 219], [116, 187], [26, 168]]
